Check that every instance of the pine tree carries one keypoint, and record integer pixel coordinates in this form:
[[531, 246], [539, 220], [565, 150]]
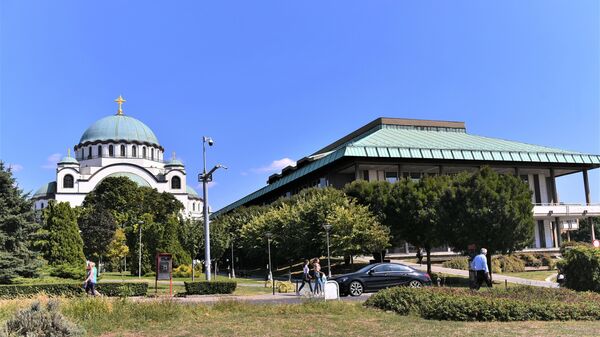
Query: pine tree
[[17, 230], [64, 245]]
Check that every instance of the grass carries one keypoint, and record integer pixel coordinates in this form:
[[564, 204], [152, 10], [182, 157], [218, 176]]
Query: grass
[[113, 317], [539, 275]]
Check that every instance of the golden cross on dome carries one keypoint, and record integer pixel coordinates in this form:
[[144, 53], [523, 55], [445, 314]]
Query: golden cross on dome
[[120, 101]]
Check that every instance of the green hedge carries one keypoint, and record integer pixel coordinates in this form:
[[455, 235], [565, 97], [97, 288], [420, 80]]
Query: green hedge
[[73, 289], [514, 304], [210, 287], [123, 289], [581, 267]]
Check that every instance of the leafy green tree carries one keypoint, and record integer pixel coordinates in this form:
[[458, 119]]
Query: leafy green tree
[[489, 210], [17, 230], [97, 227], [374, 194], [64, 245], [417, 206], [120, 195], [117, 249], [584, 233]]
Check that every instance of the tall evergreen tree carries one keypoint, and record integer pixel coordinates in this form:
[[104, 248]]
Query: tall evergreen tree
[[17, 230], [64, 245]]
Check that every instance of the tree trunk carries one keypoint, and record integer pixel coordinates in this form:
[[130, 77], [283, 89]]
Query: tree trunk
[[290, 274], [489, 263], [428, 251], [346, 259]]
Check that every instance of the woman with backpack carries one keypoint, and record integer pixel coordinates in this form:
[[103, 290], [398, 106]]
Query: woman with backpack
[[305, 277]]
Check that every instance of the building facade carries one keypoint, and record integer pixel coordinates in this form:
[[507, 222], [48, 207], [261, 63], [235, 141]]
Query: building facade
[[394, 148], [118, 146]]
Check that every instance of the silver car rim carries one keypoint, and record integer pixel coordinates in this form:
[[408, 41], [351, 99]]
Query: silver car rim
[[415, 284], [356, 288]]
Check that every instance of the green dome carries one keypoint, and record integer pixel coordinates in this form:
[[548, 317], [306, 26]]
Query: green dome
[[132, 176], [119, 127], [174, 162], [46, 190], [68, 160]]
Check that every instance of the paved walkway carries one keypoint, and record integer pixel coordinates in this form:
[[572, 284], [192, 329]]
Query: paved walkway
[[497, 277]]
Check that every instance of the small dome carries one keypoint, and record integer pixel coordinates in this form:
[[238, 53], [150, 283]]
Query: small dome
[[191, 192], [174, 162], [46, 191], [68, 160], [119, 127]]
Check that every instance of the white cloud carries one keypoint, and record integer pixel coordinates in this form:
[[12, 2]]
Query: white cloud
[[15, 167], [244, 174], [51, 161], [275, 166]]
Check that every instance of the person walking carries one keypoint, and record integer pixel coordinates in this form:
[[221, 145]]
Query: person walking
[[319, 281], [305, 277], [480, 266], [90, 281]]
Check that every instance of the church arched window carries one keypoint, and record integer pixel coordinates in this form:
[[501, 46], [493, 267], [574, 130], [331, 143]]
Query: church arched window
[[122, 150], [144, 152], [175, 183], [152, 154], [134, 151], [194, 206], [42, 205], [99, 150], [111, 151], [68, 181], [90, 152]]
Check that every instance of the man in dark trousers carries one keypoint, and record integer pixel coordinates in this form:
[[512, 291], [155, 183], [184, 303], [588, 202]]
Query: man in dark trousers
[[480, 266]]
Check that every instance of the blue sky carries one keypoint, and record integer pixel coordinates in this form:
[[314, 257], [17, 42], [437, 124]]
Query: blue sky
[[273, 81]]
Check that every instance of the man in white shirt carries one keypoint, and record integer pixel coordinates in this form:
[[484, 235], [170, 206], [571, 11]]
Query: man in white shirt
[[480, 266]]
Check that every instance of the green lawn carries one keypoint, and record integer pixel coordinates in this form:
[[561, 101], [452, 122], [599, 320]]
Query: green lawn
[[111, 317], [539, 275]]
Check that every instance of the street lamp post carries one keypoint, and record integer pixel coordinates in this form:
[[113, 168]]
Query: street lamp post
[[327, 229], [140, 250], [205, 178], [270, 265], [232, 263]]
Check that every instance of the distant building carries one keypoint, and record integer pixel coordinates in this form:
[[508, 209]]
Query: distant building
[[118, 146], [391, 148]]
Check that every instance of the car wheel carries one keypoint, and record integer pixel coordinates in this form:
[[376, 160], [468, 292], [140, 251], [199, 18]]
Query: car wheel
[[415, 284], [356, 288]]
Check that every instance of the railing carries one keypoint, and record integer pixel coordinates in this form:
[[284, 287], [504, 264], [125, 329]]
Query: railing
[[568, 210]]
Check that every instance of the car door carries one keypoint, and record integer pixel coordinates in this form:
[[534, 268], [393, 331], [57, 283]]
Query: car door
[[379, 277], [400, 274]]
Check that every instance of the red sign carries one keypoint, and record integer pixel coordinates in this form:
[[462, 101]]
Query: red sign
[[596, 243]]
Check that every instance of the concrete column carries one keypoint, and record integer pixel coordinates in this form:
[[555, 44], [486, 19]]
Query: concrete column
[[399, 171], [440, 169], [356, 172], [406, 247], [555, 201], [588, 201], [517, 172]]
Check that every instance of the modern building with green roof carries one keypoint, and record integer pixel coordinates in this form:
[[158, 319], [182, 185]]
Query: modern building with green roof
[[393, 148]]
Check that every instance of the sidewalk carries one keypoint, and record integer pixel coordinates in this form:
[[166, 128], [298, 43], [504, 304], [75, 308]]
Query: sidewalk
[[496, 277]]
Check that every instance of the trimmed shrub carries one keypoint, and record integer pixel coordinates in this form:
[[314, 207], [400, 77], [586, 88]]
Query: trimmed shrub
[[530, 260], [40, 321], [568, 245], [209, 287], [515, 304], [457, 263], [123, 289], [581, 267], [284, 287], [68, 271], [509, 263], [73, 289]]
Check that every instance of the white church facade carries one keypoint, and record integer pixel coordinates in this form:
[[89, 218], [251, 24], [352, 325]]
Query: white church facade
[[118, 145]]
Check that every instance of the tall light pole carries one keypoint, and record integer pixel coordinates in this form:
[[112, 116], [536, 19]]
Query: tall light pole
[[205, 178], [268, 234], [327, 229], [140, 223]]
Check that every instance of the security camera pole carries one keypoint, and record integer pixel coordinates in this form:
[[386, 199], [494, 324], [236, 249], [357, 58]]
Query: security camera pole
[[205, 178]]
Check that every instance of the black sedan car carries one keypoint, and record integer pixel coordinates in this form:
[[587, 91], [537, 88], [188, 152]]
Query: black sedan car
[[378, 276]]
